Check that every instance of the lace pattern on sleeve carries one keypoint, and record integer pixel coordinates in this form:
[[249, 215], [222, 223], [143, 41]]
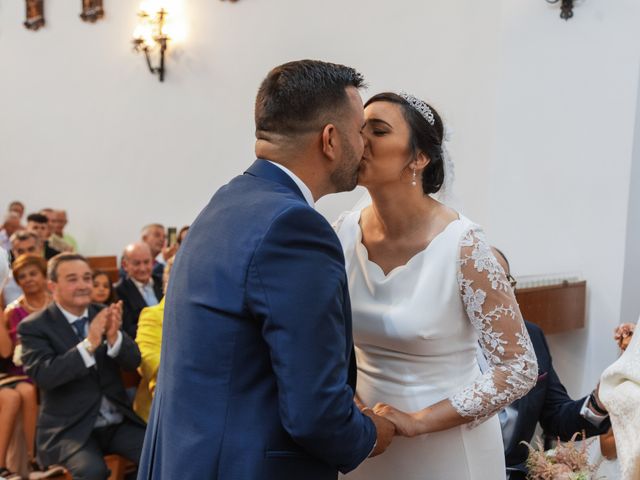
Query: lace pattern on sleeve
[[493, 311]]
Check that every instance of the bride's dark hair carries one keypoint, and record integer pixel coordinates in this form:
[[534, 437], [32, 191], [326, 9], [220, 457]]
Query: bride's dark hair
[[423, 137]]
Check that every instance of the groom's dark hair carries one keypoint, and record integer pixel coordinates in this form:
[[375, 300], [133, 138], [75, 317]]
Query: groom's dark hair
[[299, 97]]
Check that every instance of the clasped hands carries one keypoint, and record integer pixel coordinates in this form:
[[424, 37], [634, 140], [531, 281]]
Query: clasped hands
[[105, 324], [389, 422]]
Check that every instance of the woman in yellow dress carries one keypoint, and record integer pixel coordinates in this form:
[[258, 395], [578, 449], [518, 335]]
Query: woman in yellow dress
[[149, 340]]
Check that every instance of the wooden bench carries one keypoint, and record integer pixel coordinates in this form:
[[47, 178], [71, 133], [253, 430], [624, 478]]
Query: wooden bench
[[108, 264], [119, 467], [555, 308]]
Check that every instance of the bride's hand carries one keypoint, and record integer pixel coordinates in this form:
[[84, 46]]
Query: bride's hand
[[407, 424]]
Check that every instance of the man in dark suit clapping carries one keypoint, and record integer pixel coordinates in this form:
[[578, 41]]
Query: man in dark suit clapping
[[74, 351]]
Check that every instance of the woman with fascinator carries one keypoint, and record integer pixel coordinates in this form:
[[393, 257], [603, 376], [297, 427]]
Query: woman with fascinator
[[425, 291]]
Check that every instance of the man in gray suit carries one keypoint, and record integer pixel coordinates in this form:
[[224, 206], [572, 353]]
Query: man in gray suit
[[74, 351]]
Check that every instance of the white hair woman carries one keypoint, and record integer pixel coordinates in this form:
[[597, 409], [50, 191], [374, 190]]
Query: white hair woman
[[620, 393]]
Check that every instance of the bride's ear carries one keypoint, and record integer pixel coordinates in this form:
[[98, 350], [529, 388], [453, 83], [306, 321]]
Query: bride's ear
[[421, 161]]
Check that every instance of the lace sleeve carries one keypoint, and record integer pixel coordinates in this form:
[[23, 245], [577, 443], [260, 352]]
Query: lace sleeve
[[493, 311]]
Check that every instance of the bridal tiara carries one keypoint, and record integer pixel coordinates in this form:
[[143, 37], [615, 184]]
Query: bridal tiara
[[421, 107], [445, 195]]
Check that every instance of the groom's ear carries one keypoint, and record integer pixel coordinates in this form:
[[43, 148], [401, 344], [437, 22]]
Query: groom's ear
[[329, 140]]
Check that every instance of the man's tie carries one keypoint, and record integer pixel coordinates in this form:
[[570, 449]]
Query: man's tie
[[149, 295], [79, 326]]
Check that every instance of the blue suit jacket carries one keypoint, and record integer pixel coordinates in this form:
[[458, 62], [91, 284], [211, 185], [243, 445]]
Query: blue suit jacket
[[548, 403], [253, 381]]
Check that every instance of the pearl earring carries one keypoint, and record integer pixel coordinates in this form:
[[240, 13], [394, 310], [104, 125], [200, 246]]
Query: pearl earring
[[413, 181]]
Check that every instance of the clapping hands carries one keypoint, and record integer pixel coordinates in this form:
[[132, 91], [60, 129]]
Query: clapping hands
[[106, 323], [114, 315]]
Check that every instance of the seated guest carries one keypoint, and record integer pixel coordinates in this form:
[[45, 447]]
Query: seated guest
[[10, 226], [9, 398], [23, 242], [17, 395], [58, 221], [55, 241], [139, 288], [149, 340], [4, 266], [547, 403], [59, 225], [622, 336], [9, 404], [9, 410], [154, 235], [102, 291], [17, 208], [39, 224], [620, 390], [74, 351], [30, 273], [182, 234]]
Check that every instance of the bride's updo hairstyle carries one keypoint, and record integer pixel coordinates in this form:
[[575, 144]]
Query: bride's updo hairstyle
[[423, 137]]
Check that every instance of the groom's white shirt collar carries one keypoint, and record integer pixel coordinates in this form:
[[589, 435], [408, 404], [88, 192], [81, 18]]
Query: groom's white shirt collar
[[303, 188]]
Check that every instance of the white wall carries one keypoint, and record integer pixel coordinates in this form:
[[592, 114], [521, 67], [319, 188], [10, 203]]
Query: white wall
[[78, 103], [559, 194], [542, 111], [631, 284]]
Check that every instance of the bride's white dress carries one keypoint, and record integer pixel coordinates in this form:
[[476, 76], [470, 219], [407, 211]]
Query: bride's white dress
[[416, 332]]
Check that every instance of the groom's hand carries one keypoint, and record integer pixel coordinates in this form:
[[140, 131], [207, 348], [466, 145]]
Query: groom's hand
[[385, 430], [406, 424]]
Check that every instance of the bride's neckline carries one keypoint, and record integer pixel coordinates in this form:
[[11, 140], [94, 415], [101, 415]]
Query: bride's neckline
[[392, 272]]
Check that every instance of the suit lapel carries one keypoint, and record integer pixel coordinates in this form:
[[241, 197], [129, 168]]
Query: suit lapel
[[134, 294], [62, 327], [157, 288]]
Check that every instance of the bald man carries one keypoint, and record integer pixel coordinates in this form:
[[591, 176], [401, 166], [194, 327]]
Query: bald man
[[139, 288]]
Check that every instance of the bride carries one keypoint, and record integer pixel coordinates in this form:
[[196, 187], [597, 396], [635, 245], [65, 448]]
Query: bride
[[425, 291]]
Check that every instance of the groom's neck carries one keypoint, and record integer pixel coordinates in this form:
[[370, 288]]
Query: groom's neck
[[299, 160]]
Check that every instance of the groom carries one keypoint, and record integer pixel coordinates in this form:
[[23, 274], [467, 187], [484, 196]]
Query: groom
[[257, 375]]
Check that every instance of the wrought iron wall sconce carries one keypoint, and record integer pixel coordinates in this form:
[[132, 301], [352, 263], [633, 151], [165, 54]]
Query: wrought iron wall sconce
[[150, 35], [566, 8], [92, 10], [35, 14]]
